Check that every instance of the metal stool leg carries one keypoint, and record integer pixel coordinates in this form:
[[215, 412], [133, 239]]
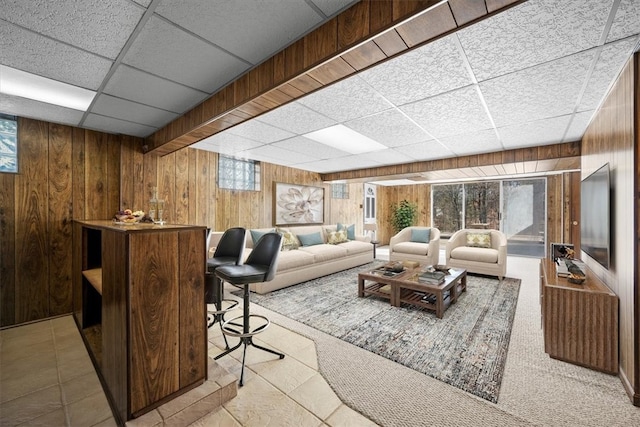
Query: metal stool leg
[[215, 294]]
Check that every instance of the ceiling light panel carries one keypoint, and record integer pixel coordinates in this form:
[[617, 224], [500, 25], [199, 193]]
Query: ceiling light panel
[[108, 105], [117, 126], [26, 85], [537, 92], [82, 24], [541, 132], [167, 51], [24, 107], [145, 88], [296, 118], [532, 33], [346, 139], [58, 57], [346, 100], [302, 145], [626, 20], [391, 128], [452, 113], [427, 71]]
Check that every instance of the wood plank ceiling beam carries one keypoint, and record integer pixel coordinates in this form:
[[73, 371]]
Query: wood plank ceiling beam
[[362, 36]]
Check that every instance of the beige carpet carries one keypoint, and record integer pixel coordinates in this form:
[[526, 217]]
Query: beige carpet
[[536, 390]]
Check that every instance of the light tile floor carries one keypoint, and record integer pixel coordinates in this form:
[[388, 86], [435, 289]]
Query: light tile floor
[[47, 379]]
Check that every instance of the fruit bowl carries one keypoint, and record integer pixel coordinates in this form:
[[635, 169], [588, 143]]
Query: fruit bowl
[[129, 217]]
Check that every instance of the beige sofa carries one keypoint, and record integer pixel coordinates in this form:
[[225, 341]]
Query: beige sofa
[[463, 251], [403, 246], [308, 262]]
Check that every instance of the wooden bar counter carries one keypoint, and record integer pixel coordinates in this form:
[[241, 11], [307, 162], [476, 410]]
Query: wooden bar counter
[[139, 304], [580, 321]]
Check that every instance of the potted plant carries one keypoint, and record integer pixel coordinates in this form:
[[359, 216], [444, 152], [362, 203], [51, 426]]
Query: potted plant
[[403, 215]]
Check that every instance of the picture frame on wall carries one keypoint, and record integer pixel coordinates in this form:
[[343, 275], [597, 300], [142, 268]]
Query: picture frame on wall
[[297, 204]]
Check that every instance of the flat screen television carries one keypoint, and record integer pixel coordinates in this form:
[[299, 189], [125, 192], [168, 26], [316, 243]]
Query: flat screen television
[[595, 212]]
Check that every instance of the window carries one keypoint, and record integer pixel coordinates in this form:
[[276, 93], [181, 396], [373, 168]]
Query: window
[[8, 144], [369, 203], [339, 191], [238, 174]]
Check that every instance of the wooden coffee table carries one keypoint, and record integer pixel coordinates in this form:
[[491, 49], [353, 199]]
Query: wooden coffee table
[[404, 288]]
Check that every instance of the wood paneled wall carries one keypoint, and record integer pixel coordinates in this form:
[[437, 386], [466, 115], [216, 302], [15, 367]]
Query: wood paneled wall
[[612, 137]]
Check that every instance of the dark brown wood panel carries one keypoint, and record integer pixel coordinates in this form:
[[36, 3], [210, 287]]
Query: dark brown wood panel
[[192, 333], [154, 350], [60, 212], [182, 187], [32, 245], [96, 180], [428, 26], [353, 25], [78, 173], [7, 250]]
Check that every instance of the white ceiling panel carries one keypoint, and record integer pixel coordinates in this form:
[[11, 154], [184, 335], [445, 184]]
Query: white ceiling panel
[[387, 157], [169, 52], [226, 143], [541, 132], [391, 128], [144, 3], [350, 162], [144, 88], [626, 20], [260, 132], [39, 110], [98, 26], [452, 113], [483, 141], [113, 125], [609, 64], [421, 73], [428, 150], [547, 90], [306, 146], [578, 126], [346, 100], [296, 118], [532, 33], [59, 58], [331, 7], [278, 155], [119, 108]]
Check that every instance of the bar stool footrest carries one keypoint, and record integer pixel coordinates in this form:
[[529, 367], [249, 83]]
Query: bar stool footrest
[[227, 326]]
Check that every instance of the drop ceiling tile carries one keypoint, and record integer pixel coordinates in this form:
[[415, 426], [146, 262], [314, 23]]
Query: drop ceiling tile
[[626, 22], [432, 69], [390, 128], [484, 141], [267, 26], [296, 118], [547, 90], [343, 163], [346, 100], [144, 3], [302, 145], [278, 155], [144, 88], [117, 126], [59, 59], [578, 126], [532, 33], [226, 143], [609, 64], [24, 107], [107, 105], [428, 150], [259, 131], [101, 27], [332, 7], [387, 157], [452, 113], [540, 132], [169, 52]]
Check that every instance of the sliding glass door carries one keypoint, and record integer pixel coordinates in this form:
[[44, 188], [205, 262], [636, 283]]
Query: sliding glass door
[[523, 216]]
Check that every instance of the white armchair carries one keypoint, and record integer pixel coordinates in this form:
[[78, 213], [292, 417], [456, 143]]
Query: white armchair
[[462, 252], [409, 245]]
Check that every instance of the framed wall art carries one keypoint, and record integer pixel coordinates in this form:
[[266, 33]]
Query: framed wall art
[[297, 204]]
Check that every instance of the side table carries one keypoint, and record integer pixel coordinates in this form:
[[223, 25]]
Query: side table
[[375, 243]]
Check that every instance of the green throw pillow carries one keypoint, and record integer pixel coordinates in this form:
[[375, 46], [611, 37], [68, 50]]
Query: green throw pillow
[[420, 235], [335, 237], [310, 239], [479, 239], [351, 230], [289, 240]]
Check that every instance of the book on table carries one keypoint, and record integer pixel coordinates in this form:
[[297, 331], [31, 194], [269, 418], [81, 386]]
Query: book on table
[[431, 277]]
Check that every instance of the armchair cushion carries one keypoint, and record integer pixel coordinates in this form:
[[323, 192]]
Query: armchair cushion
[[421, 235], [413, 248]]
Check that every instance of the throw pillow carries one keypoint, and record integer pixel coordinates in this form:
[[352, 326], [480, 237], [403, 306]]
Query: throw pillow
[[310, 239], [479, 239], [351, 230], [335, 237], [420, 235], [289, 240], [257, 234]]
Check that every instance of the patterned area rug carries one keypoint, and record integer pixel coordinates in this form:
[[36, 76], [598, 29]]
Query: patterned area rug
[[467, 348]]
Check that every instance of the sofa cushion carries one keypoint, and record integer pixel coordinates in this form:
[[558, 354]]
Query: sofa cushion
[[311, 239], [351, 230], [469, 253], [420, 235], [335, 237], [356, 247], [412, 248], [294, 259], [479, 239], [323, 253]]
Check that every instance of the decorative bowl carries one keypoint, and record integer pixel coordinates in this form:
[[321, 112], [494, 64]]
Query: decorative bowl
[[574, 278], [128, 219]]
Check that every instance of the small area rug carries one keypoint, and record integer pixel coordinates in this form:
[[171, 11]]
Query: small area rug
[[467, 348]]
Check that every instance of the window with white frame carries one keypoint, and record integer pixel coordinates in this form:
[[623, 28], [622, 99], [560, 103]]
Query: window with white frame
[[369, 203], [238, 174]]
